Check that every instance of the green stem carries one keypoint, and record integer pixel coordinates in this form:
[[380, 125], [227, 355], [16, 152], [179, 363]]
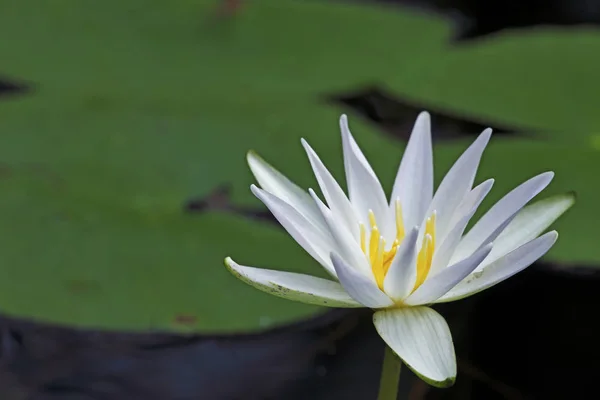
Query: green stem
[[390, 376]]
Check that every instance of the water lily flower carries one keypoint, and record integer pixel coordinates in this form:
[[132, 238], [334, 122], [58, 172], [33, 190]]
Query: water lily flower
[[401, 255]]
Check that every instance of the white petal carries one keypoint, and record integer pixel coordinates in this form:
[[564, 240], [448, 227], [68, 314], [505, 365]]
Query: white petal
[[472, 201], [339, 204], [438, 285], [360, 287], [299, 287], [457, 183], [414, 182], [277, 184], [503, 268], [421, 338], [443, 252], [530, 222], [316, 243], [364, 187], [495, 220], [347, 247], [466, 210], [400, 278]]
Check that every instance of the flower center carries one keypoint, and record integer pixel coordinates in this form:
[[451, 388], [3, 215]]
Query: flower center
[[381, 259]]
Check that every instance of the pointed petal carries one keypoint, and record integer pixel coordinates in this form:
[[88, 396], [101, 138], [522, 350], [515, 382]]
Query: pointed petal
[[364, 188], [337, 201], [472, 200], [359, 287], [316, 243], [438, 285], [421, 338], [401, 276], [298, 287], [503, 268], [277, 184], [491, 224], [414, 182], [347, 247], [530, 222], [457, 183], [467, 208]]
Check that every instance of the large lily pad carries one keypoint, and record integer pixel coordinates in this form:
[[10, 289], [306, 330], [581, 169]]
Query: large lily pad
[[138, 106]]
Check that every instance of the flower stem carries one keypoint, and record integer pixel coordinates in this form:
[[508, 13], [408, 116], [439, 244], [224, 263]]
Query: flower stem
[[390, 376]]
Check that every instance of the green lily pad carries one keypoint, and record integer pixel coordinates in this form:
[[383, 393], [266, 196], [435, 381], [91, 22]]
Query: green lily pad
[[137, 106]]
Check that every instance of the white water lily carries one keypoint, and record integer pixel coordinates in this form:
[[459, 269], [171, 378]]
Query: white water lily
[[399, 256]]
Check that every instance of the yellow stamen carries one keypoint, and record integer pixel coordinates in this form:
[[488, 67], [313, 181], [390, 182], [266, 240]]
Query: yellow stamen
[[425, 255], [363, 238], [374, 245], [381, 259], [380, 251], [389, 256], [377, 266], [399, 221], [372, 220], [424, 261], [429, 257]]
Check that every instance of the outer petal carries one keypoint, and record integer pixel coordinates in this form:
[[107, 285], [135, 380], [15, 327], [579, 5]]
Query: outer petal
[[438, 285], [361, 288], [495, 220], [298, 287], [457, 183], [316, 243], [421, 338], [339, 204], [530, 222], [402, 274], [414, 182], [277, 184], [364, 187], [348, 248], [503, 268]]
